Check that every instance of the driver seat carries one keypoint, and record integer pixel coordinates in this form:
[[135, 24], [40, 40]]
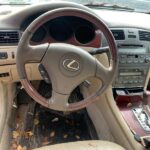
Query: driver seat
[[84, 145]]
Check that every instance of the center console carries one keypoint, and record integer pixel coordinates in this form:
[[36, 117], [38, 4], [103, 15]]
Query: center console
[[133, 67], [135, 109], [128, 86], [134, 56]]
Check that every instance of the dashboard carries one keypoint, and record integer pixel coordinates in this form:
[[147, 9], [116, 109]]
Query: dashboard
[[131, 34]]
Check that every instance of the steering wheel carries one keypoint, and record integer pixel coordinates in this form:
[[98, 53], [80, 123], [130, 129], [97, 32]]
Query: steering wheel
[[66, 65]]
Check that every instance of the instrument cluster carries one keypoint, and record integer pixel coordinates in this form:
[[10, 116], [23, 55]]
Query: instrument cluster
[[67, 29]]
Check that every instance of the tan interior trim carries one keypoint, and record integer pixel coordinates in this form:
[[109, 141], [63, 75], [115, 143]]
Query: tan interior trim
[[10, 50], [3, 107], [120, 122], [84, 145], [10, 90], [114, 121], [31, 69], [102, 129]]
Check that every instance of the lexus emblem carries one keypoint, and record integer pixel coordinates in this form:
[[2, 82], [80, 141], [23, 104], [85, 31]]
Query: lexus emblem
[[71, 64]]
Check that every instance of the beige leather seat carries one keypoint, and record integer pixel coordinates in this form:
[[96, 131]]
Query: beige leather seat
[[84, 145]]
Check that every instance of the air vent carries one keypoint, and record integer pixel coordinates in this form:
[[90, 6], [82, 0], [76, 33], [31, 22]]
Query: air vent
[[9, 37], [144, 36], [118, 34]]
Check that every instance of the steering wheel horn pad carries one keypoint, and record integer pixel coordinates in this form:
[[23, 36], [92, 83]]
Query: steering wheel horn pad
[[65, 80], [66, 65]]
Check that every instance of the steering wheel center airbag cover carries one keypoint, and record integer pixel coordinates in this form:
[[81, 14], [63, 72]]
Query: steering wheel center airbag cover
[[65, 59], [68, 64]]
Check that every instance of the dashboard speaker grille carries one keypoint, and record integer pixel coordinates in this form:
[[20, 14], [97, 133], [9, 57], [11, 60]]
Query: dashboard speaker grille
[[144, 36], [9, 37], [118, 34]]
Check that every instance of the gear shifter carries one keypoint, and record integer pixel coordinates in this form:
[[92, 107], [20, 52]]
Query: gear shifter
[[142, 113]]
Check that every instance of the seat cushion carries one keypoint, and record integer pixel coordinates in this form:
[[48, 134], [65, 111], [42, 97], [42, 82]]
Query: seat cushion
[[84, 145]]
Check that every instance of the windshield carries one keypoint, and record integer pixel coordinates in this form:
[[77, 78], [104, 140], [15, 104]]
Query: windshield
[[136, 5]]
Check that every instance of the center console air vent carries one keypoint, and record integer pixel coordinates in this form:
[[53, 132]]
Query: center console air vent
[[9, 37], [118, 34], [144, 36]]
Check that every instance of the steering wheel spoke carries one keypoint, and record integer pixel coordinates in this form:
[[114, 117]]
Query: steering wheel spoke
[[59, 100], [103, 73], [35, 53]]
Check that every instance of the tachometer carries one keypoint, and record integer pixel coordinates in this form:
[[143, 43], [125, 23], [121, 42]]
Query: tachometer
[[84, 34]]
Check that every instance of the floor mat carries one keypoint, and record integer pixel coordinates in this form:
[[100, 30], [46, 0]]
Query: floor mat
[[41, 126], [53, 128]]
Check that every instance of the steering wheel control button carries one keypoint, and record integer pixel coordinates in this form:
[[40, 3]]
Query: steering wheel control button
[[71, 64], [43, 73]]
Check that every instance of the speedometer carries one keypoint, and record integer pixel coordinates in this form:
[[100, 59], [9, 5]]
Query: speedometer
[[60, 30]]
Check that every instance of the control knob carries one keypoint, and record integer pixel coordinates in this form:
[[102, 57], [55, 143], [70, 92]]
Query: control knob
[[147, 59]]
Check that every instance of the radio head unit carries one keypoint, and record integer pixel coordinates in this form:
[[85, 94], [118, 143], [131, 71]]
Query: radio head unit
[[133, 67]]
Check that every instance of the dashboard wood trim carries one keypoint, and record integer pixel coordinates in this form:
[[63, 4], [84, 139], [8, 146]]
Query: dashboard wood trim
[[96, 42], [125, 104]]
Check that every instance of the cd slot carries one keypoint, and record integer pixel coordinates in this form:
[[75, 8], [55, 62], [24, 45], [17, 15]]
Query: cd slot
[[129, 45]]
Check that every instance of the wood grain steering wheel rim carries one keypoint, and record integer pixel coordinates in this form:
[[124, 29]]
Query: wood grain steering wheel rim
[[39, 53]]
